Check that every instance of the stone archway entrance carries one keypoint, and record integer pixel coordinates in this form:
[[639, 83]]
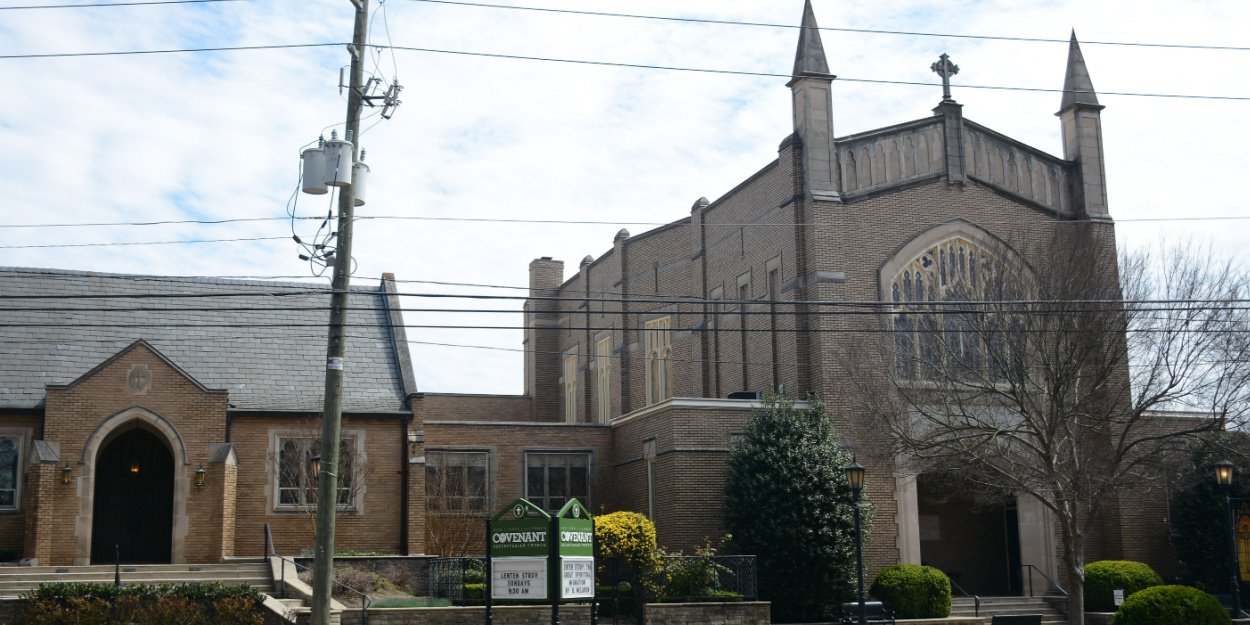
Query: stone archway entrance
[[133, 503]]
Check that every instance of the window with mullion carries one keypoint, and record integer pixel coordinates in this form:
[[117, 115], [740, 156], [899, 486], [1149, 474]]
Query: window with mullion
[[10, 467], [551, 479], [457, 481]]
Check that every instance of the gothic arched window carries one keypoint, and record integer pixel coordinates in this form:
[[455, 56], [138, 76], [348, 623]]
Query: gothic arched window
[[940, 328]]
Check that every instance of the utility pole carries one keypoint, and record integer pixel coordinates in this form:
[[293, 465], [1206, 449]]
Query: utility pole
[[332, 413]]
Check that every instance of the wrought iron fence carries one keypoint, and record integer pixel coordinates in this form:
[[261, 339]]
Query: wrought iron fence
[[448, 577], [682, 578], [709, 578]]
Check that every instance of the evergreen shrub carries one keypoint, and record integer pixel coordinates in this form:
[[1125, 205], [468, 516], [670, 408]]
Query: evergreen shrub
[[211, 603], [914, 591], [1104, 576], [787, 502], [1171, 605]]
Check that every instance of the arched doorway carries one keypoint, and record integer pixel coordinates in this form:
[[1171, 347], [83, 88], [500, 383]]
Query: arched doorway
[[133, 504]]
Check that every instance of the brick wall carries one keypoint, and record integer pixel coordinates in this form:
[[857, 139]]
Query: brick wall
[[465, 407], [507, 444], [74, 412], [741, 613], [502, 615], [374, 526], [14, 523]]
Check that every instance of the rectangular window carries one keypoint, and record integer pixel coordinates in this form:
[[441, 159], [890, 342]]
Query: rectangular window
[[551, 479], [10, 471], [603, 378], [297, 478], [658, 343], [570, 388], [457, 481]]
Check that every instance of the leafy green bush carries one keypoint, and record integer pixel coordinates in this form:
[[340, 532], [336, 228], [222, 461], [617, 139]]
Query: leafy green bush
[[475, 592], [211, 603], [474, 571], [694, 577], [914, 591], [1104, 576], [1171, 605]]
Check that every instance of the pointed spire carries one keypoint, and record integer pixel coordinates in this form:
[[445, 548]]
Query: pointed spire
[[810, 57], [1078, 89]]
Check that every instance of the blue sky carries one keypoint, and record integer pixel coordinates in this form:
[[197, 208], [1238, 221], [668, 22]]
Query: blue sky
[[217, 136]]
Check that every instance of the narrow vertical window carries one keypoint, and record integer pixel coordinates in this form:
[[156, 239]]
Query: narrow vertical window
[[10, 463], [603, 379], [657, 341], [570, 388], [648, 456]]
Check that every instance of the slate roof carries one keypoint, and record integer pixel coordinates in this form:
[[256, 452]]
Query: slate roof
[[264, 342]]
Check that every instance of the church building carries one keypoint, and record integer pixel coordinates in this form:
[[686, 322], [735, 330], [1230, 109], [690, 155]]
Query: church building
[[193, 419]]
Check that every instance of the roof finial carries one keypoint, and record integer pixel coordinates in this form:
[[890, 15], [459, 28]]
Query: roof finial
[[1077, 86], [944, 68], [810, 57]]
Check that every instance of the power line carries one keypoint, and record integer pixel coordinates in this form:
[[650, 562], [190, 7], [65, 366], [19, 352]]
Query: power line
[[869, 31], [64, 55], [131, 243], [108, 4], [703, 70], [575, 222]]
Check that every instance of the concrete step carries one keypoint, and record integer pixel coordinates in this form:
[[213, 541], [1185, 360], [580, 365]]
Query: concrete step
[[1047, 606]]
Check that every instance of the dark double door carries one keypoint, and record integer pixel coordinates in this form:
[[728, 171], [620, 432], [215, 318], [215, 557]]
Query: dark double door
[[132, 516]]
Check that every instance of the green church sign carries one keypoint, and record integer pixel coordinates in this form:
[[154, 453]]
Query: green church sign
[[536, 556]]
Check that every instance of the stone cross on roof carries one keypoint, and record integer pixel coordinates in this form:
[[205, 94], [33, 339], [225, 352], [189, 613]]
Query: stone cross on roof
[[944, 68]]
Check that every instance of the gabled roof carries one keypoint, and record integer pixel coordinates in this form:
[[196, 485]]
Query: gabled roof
[[264, 342]]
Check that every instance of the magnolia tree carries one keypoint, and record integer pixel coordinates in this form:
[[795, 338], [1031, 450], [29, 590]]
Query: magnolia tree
[[788, 503], [1069, 382]]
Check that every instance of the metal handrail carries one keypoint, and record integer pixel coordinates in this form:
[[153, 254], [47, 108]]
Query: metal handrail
[[976, 599], [1043, 574], [270, 552]]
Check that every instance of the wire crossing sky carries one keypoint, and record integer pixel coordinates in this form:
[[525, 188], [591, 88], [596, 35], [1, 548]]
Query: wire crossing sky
[[187, 163]]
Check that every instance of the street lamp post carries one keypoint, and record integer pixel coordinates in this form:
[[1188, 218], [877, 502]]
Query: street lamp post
[[855, 479], [1224, 477]]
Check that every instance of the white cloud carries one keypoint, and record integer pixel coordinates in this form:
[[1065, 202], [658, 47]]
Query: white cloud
[[140, 138]]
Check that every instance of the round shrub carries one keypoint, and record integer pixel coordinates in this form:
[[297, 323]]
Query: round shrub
[[1171, 605], [1104, 576], [628, 538], [914, 591]]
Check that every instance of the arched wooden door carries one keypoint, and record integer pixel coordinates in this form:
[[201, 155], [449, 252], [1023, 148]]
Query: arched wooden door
[[133, 505]]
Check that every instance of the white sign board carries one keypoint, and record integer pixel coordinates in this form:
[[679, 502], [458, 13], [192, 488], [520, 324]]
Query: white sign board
[[1118, 596], [578, 575], [518, 578]]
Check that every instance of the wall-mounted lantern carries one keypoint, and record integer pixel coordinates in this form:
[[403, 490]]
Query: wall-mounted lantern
[[67, 474], [200, 473]]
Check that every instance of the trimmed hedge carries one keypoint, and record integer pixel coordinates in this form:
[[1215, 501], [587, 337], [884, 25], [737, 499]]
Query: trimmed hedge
[[1104, 576], [210, 603], [914, 591], [1171, 605]]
